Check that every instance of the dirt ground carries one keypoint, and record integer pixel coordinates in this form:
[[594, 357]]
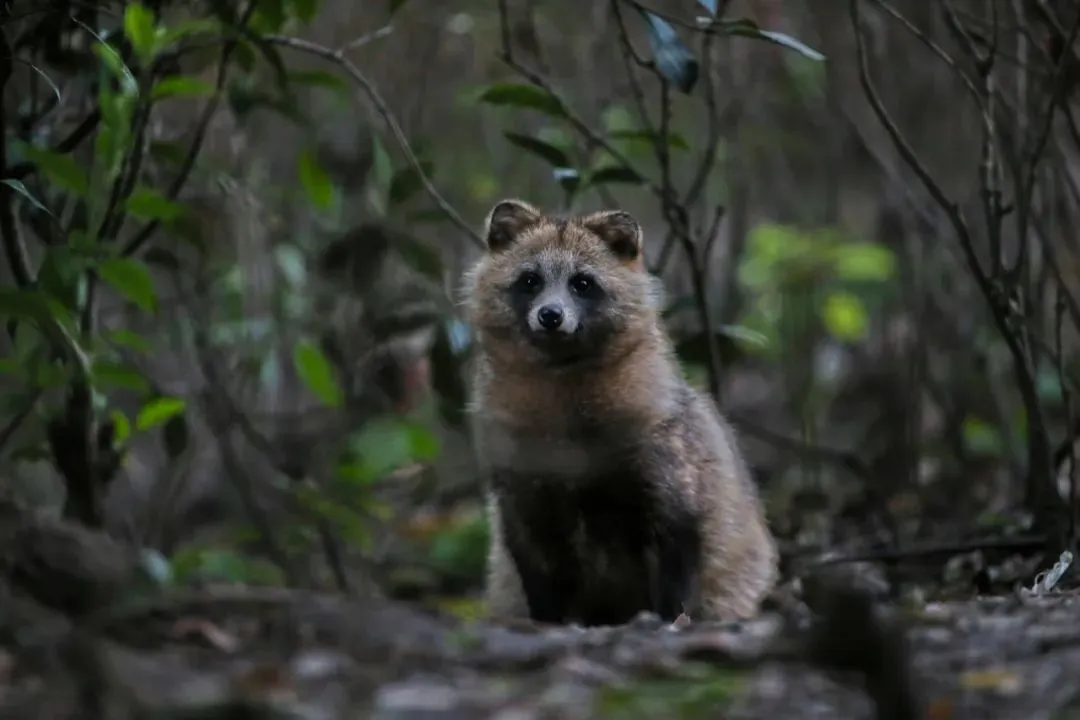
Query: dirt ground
[[84, 634]]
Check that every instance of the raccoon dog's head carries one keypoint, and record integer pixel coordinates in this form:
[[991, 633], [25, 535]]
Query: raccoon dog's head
[[561, 290]]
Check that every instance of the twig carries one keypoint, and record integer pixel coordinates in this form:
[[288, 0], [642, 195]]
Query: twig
[[363, 40]]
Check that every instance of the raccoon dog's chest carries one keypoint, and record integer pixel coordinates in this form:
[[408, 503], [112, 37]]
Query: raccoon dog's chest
[[593, 549]]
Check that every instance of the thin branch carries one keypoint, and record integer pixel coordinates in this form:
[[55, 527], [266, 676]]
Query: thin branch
[[338, 57], [1039, 481], [1058, 89], [716, 122], [952, 210]]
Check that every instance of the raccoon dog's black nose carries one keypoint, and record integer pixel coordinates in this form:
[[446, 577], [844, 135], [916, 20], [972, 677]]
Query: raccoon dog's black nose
[[550, 317]]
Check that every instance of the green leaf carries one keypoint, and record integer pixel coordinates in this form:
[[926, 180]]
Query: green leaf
[[269, 16], [384, 445], [130, 278], [750, 29], [28, 304], [121, 427], [48, 375], [408, 181], [110, 145], [674, 61], [167, 36], [127, 339], [316, 373], [316, 183], [864, 261], [18, 187], [523, 96], [555, 156], [110, 374], [395, 5], [158, 411], [180, 86], [382, 176], [845, 317], [115, 65], [140, 31], [675, 140], [613, 174], [149, 204], [61, 170], [305, 10], [744, 334], [319, 78], [618, 117], [382, 166]]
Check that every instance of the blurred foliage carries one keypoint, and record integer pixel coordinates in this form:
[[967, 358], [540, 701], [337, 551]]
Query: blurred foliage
[[786, 268], [104, 211]]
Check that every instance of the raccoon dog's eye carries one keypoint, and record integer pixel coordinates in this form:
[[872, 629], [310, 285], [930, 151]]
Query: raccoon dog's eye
[[582, 284], [529, 281]]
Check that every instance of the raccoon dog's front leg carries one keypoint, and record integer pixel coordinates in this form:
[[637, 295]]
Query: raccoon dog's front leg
[[546, 602], [678, 567], [536, 550]]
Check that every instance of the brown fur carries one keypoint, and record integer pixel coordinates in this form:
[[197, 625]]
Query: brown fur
[[629, 397]]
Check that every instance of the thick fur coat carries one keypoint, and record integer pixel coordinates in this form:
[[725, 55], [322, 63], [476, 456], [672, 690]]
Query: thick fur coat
[[612, 485]]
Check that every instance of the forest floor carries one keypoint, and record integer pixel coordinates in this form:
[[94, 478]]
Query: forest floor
[[81, 637]]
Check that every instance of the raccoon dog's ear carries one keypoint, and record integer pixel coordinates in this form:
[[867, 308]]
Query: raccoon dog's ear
[[507, 220], [619, 230]]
